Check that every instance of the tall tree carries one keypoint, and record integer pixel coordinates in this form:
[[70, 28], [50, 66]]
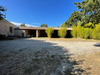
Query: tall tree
[[73, 19], [2, 10], [22, 25], [44, 25], [90, 11]]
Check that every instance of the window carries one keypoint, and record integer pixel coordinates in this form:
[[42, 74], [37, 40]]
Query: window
[[11, 30]]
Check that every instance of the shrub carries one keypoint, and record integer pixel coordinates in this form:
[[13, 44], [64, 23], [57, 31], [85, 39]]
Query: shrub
[[78, 29], [82, 32], [86, 33], [91, 33], [74, 31], [49, 31], [62, 32], [96, 33]]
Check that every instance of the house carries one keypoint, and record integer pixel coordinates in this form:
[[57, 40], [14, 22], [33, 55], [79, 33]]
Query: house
[[39, 32], [6, 28]]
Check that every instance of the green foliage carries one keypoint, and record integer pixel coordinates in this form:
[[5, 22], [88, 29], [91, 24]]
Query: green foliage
[[89, 10], [49, 31], [81, 32], [2, 10], [22, 25], [44, 25], [78, 29], [86, 33], [63, 25], [62, 32], [96, 32], [74, 31], [73, 19], [91, 33]]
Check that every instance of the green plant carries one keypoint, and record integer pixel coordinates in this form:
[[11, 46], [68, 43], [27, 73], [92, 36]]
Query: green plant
[[81, 32], [78, 29], [74, 31], [49, 31], [96, 33], [62, 32], [86, 33]]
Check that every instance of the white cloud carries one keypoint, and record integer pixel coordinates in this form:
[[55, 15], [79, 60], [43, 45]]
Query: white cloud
[[27, 25]]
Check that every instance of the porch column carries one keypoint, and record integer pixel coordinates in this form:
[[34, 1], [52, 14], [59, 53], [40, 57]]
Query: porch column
[[36, 33]]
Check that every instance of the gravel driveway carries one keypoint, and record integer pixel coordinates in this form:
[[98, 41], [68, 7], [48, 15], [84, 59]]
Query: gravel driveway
[[18, 56]]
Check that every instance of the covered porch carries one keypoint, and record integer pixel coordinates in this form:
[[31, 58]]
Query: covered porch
[[40, 32]]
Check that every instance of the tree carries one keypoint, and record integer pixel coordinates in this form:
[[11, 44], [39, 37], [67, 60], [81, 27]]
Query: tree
[[90, 11], [49, 31], [73, 19], [22, 25], [62, 32], [63, 25], [2, 10], [44, 25]]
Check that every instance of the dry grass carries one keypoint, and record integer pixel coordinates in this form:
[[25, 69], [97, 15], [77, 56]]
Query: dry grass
[[68, 39], [90, 64]]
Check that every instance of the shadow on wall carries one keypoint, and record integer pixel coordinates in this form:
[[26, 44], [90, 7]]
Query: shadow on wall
[[38, 58]]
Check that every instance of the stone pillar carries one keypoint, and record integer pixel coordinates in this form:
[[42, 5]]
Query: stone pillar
[[36, 33]]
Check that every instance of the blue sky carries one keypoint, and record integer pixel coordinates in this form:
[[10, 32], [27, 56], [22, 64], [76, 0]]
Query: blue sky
[[37, 12]]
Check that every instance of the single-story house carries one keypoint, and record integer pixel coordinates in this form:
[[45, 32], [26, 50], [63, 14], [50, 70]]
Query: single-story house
[[7, 28], [39, 32]]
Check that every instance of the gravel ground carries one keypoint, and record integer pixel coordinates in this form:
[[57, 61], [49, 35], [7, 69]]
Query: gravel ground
[[36, 56]]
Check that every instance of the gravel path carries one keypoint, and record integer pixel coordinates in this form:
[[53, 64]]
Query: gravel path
[[18, 56], [38, 44]]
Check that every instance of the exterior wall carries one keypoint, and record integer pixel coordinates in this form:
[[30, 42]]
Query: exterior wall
[[26, 33], [18, 33], [5, 27]]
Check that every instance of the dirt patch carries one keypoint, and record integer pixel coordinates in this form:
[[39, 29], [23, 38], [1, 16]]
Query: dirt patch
[[89, 65]]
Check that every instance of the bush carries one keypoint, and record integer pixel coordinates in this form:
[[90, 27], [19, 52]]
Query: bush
[[78, 29], [62, 32], [82, 32], [96, 32], [74, 31], [49, 31], [86, 33]]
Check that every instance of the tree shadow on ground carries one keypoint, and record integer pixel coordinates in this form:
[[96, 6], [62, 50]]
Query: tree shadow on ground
[[39, 58]]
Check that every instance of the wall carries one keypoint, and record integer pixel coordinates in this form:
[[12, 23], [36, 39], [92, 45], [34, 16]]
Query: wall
[[5, 27], [18, 33]]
